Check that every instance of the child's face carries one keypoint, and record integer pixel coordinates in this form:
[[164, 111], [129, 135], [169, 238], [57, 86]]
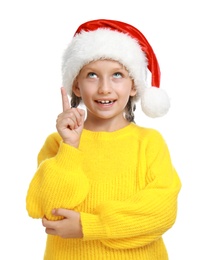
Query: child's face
[[105, 87]]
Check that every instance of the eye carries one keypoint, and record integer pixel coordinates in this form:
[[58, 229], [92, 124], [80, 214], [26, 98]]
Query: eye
[[117, 75], [92, 75]]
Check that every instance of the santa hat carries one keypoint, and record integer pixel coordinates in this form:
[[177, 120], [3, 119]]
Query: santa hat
[[118, 41]]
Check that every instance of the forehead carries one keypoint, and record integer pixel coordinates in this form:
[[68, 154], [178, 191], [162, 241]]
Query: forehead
[[105, 63]]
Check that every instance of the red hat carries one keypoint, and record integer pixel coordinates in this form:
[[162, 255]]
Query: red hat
[[119, 41]]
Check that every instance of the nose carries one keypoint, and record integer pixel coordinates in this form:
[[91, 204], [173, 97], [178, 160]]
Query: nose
[[104, 86]]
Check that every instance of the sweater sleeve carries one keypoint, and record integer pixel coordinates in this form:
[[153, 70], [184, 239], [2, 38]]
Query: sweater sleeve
[[57, 183], [148, 214]]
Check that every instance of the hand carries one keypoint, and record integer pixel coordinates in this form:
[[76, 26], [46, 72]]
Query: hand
[[69, 227], [70, 122]]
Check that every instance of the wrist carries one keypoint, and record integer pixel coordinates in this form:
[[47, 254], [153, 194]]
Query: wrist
[[74, 144]]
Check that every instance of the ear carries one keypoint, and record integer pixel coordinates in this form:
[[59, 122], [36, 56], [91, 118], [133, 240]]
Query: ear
[[133, 91], [76, 89]]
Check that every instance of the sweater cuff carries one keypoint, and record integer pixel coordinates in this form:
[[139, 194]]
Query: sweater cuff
[[92, 227]]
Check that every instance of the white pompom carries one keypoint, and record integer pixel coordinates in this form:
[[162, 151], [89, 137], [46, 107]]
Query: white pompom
[[154, 102]]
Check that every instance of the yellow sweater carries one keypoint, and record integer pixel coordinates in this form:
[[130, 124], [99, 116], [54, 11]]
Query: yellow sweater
[[123, 184]]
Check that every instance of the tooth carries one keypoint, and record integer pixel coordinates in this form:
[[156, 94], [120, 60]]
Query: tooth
[[105, 101]]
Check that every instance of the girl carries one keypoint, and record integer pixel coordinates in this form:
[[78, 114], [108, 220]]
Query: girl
[[105, 188]]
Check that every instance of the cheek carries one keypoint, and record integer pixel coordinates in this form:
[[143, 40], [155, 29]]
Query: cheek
[[86, 92]]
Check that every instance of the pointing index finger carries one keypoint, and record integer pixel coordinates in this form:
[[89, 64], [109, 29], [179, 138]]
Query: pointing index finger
[[65, 100]]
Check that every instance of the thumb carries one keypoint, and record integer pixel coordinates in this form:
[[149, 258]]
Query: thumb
[[82, 114], [61, 212]]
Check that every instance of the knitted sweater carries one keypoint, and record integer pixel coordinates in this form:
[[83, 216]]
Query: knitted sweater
[[123, 184]]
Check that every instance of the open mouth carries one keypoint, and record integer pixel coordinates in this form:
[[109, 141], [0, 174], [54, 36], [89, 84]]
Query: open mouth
[[105, 102]]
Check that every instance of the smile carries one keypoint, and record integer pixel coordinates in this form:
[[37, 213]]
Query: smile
[[105, 101]]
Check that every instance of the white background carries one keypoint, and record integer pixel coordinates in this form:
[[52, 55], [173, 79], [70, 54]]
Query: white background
[[33, 35]]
